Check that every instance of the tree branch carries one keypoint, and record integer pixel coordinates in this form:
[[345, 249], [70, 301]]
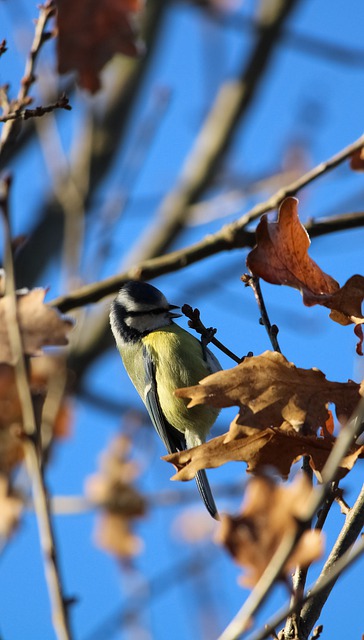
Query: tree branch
[[215, 137], [231, 236], [354, 523], [344, 563], [12, 126], [37, 112], [31, 449], [347, 436]]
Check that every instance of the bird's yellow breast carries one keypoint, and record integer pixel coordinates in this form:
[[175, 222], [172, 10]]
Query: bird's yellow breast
[[179, 362]]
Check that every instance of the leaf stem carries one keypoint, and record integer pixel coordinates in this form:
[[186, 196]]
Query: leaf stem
[[272, 330]]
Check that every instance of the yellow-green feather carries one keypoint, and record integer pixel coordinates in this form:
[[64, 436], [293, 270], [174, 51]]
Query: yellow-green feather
[[179, 362]]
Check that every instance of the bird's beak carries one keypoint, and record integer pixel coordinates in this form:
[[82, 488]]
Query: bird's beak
[[174, 315]]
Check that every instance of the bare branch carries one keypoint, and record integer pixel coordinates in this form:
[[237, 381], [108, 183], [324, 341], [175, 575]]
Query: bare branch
[[354, 524], [347, 436], [231, 236], [215, 136], [37, 112], [207, 334], [344, 563], [12, 127], [31, 448]]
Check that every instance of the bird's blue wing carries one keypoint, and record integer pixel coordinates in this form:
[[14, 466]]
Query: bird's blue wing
[[172, 439]]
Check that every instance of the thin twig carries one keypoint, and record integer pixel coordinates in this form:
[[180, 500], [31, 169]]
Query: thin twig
[[292, 39], [37, 112], [324, 511], [186, 569], [339, 498], [3, 47], [300, 574], [208, 334], [12, 127], [215, 136], [271, 329], [32, 459], [347, 436], [353, 525], [231, 236], [342, 565]]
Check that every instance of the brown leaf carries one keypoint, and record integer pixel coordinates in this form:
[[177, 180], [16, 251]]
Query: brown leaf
[[269, 513], [267, 448], [357, 160], [40, 325], [280, 257], [270, 391], [281, 407], [90, 33], [119, 502], [113, 534], [346, 302]]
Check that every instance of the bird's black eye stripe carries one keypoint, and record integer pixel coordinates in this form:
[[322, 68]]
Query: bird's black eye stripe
[[154, 312]]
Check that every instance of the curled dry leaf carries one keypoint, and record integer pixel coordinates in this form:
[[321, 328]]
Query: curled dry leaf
[[40, 325], [111, 491], [281, 407], [281, 257], [269, 513], [89, 35]]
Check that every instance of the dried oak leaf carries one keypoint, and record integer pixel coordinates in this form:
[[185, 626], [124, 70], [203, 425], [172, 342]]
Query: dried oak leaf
[[280, 257], [269, 513], [40, 325], [281, 407], [270, 391], [267, 448], [90, 33]]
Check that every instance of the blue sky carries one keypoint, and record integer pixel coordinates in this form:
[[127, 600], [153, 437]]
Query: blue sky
[[306, 100]]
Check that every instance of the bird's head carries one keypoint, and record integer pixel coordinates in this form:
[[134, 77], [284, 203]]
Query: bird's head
[[140, 308]]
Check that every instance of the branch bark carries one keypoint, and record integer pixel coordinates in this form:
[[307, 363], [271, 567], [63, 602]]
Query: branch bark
[[59, 603], [215, 137], [352, 528], [347, 436], [231, 236]]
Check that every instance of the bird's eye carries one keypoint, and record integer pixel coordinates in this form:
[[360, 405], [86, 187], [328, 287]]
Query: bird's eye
[[154, 312]]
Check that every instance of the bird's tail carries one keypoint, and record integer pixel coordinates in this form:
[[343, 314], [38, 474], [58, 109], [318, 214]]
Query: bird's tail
[[206, 493]]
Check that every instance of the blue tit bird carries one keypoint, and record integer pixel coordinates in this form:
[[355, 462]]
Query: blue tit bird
[[159, 357]]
